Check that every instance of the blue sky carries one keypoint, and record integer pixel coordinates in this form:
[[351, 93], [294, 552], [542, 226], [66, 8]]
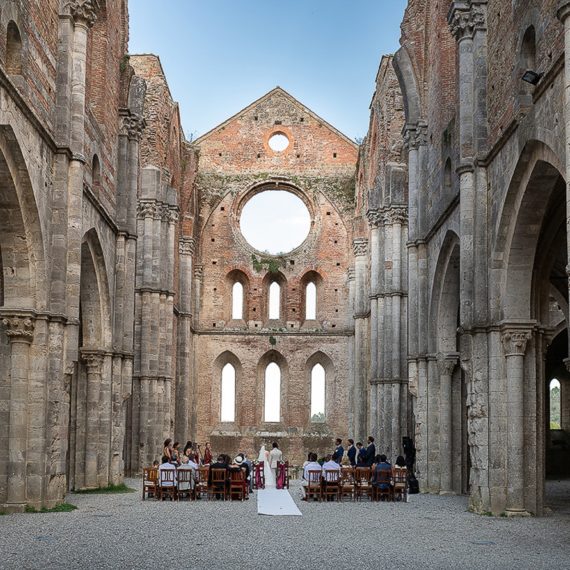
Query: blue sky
[[221, 55]]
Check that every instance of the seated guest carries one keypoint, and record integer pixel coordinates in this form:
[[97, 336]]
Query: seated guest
[[220, 463], [361, 457], [175, 453], [248, 467], [311, 465], [167, 466], [382, 473], [187, 466], [331, 464], [400, 462]]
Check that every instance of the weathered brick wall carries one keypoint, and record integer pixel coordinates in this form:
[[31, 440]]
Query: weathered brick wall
[[234, 161]]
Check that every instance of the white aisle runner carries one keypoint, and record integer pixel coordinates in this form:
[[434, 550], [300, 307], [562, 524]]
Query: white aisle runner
[[277, 503]]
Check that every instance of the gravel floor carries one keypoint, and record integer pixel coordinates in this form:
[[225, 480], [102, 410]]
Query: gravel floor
[[121, 531]]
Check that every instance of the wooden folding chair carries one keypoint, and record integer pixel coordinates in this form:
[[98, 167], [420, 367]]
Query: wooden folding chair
[[201, 484], [313, 487], [400, 479], [382, 485], [150, 482], [258, 476], [238, 484], [347, 483], [362, 483], [167, 484], [218, 483], [331, 484], [185, 480]]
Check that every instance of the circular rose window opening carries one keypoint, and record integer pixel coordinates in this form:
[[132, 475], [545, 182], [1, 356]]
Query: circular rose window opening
[[275, 221], [278, 142]]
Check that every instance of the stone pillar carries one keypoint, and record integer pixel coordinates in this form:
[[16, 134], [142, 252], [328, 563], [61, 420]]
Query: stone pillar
[[184, 376], [514, 345], [447, 363], [350, 323], [93, 362], [20, 333], [361, 314], [563, 16]]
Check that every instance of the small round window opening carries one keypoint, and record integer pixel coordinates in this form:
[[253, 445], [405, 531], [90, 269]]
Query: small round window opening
[[278, 142]]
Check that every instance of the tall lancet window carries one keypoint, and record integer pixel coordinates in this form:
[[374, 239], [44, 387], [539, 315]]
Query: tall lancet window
[[274, 300], [318, 378], [272, 393], [237, 301], [228, 396], [311, 302]]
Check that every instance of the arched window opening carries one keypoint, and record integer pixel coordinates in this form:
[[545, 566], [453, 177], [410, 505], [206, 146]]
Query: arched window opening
[[237, 301], [95, 172], [554, 404], [311, 301], [318, 393], [228, 396], [13, 49], [274, 300], [447, 176], [528, 49], [527, 67], [272, 393]]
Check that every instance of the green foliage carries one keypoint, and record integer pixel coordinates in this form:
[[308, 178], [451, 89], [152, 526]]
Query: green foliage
[[318, 418], [124, 63], [555, 408], [63, 508], [271, 264], [122, 488], [272, 340]]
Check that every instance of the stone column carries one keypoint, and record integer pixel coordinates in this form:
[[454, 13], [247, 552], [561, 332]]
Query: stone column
[[447, 363], [563, 16], [184, 382], [361, 313], [20, 333], [514, 345], [93, 362], [350, 324]]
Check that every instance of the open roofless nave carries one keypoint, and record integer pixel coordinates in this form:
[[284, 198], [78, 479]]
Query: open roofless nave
[[429, 298]]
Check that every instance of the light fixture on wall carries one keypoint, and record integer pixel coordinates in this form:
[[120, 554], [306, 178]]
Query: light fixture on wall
[[532, 77]]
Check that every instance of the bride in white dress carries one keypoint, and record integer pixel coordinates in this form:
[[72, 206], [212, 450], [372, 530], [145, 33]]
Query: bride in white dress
[[267, 471]]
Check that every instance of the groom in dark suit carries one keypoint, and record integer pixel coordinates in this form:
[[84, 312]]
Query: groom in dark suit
[[339, 451]]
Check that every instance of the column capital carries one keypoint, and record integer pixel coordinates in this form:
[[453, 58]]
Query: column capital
[[374, 217], [350, 274], [415, 135], [198, 271], [567, 363], [133, 126], [84, 12], [93, 360], [396, 215], [465, 18], [563, 10], [515, 341], [148, 209], [186, 246], [19, 328], [360, 246], [447, 362]]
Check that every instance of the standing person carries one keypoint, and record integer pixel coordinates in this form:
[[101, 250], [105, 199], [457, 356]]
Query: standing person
[[167, 450], [339, 450], [188, 448], [370, 450], [263, 458], [351, 452], [361, 457], [275, 456], [175, 454], [208, 454]]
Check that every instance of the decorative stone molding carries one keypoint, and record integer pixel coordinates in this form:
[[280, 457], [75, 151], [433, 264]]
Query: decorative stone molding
[[374, 217], [147, 209], [133, 126], [415, 136], [563, 10], [360, 246], [84, 11], [172, 215], [198, 272], [186, 246], [464, 19], [351, 273], [447, 363], [19, 328], [396, 216], [515, 341], [93, 360]]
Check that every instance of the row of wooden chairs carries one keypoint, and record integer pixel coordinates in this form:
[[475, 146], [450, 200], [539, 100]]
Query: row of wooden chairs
[[181, 483], [356, 483]]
